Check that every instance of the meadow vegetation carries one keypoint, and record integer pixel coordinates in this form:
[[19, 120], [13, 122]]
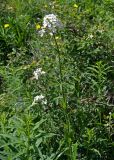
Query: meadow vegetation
[[57, 80]]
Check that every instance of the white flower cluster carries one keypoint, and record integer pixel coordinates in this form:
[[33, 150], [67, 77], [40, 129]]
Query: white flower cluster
[[38, 72], [100, 30], [50, 23], [39, 98], [90, 36]]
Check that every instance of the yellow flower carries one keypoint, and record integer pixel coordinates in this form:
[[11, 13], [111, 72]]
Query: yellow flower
[[75, 6], [38, 26], [6, 25], [10, 8], [45, 6], [56, 37]]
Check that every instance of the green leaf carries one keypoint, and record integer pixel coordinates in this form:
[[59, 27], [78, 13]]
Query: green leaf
[[37, 125]]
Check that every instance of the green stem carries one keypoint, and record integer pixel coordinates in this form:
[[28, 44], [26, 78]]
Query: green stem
[[60, 71], [67, 132]]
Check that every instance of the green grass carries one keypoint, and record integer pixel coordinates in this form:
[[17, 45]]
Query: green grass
[[66, 113]]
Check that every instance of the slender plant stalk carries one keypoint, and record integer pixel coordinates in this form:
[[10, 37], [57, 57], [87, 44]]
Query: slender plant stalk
[[68, 132], [60, 71]]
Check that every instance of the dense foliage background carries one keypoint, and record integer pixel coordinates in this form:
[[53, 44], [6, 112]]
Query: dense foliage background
[[57, 90]]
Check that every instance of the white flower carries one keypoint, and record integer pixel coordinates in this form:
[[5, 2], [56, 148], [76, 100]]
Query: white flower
[[90, 36], [100, 30], [39, 98], [41, 32], [50, 23], [44, 102], [38, 72]]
